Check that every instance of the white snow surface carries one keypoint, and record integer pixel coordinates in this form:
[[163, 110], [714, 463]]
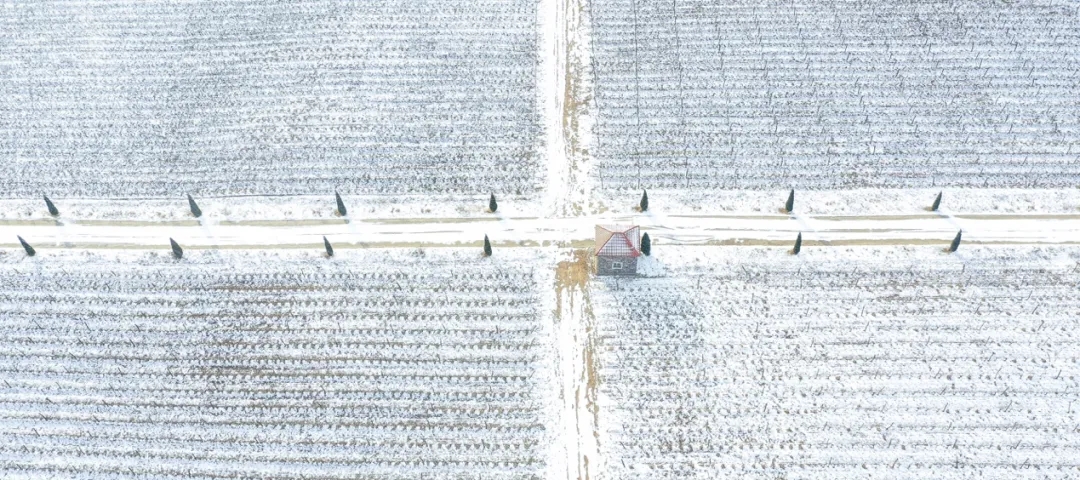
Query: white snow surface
[[871, 354], [710, 95], [416, 208], [845, 362], [848, 202], [383, 363], [358, 233], [229, 97]]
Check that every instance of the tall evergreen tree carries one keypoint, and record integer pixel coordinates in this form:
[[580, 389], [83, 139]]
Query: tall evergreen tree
[[644, 205], [26, 246], [955, 242], [329, 249], [487, 246], [176, 250], [52, 208], [798, 244], [790, 205], [937, 202], [646, 245], [492, 204], [193, 206], [341, 210]]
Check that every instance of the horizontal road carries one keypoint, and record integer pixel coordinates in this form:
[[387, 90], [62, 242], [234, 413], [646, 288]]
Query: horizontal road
[[919, 229]]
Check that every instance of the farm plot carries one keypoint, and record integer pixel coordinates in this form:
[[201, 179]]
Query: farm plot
[[388, 364], [837, 94], [213, 97], [845, 363]]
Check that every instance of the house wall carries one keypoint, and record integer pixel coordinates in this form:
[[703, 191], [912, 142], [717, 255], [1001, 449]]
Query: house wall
[[604, 264]]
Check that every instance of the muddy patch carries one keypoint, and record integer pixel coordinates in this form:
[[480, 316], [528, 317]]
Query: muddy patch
[[574, 317]]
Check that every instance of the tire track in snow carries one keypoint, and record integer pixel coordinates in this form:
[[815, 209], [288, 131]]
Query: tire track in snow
[[565, 232], [36, 222]]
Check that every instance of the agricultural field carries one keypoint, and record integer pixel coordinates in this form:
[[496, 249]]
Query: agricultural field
[[261, 364], [704, 95], [215, 98], [842, 362], [871, 354]]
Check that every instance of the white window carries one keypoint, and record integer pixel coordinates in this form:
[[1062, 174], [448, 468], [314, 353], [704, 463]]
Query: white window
[[616, 265]]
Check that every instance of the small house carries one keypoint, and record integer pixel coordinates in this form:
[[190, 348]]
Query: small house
[[617, 249]]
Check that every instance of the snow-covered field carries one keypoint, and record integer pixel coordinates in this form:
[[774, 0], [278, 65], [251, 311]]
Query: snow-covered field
[[703, 94], [230, 97], [872, 354], [259, 364], [842, 363]]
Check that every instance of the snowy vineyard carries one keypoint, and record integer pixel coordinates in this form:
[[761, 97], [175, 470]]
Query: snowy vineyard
[[259, 135], [837, 94], [152, 99], [860, 363], [393, 364]]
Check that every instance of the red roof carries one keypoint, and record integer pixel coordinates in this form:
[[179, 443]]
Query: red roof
[[623, 242]]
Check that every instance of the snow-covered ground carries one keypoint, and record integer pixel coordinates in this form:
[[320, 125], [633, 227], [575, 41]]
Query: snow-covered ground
[[705, 95], [872, 354], [274, 208], [925, 228], [847, 202], [387, 363], [228, 97], [431, 208], [841, 363]]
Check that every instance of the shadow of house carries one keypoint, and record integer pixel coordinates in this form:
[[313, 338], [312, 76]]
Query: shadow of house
[[617, 249]]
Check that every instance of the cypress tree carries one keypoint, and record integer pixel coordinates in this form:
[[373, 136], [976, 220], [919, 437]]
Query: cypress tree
[[646, 245], [937, 202], [176, 250], [790, 205], [52, 208], [798, 244], [955, 242], [487, 246], [492, 204], [329, 249], [26, 246], [341, 210], [644, 205], [194, 208]]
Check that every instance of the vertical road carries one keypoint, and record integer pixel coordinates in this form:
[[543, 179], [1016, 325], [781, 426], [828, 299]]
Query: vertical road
[[566, 100]]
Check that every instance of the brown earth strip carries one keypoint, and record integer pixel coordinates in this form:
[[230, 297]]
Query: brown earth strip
[[571, 287]]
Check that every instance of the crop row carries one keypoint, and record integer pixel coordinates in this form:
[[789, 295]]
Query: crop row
[[234, 98], [110, 362], [838, 94], [846, 365]]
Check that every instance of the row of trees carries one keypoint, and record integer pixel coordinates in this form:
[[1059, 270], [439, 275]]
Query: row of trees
[[178, 251], [789, 205], [197, 212], [798, 243], [493, 205], [646, 246]]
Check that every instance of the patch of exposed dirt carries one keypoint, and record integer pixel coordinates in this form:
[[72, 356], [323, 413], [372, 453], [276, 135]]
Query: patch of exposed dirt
[[573, 304], [573, 274], [576, 102]]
